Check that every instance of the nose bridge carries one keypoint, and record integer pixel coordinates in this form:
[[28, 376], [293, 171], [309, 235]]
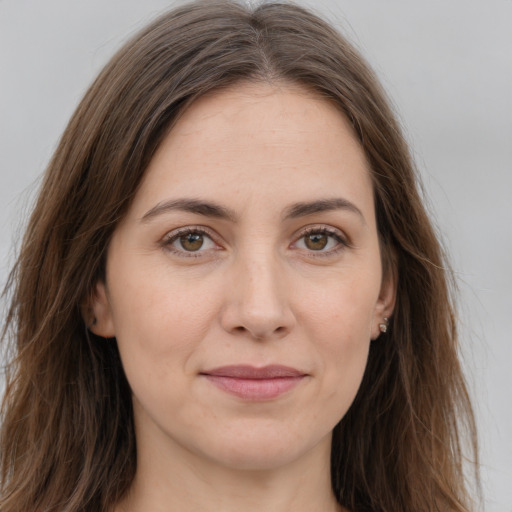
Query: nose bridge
[[258, 301], [260, 279]]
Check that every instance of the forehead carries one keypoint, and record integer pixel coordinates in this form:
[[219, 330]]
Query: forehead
[[256, 139]]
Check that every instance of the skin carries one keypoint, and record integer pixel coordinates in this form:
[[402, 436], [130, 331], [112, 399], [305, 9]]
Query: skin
[[256, 292]]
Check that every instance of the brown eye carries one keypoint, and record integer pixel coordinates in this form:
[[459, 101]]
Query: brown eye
[[191, 241], [316, 241], [324, 241]]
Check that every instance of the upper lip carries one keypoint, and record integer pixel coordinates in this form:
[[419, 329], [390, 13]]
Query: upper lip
[[273, 371]]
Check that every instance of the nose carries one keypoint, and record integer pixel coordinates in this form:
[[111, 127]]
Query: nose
[[257, 300]]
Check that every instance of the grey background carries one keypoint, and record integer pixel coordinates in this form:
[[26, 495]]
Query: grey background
[[446, 64]]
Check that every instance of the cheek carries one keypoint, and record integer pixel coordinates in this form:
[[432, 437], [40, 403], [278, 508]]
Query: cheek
[[158, 322], [341, 309], [339, 322], [160, 325]]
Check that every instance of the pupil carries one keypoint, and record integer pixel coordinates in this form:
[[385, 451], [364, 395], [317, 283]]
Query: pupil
[[192, 241], [316, 242]]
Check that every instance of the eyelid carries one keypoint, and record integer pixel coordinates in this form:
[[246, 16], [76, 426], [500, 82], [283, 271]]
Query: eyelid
[[340, 236], [170, 237]]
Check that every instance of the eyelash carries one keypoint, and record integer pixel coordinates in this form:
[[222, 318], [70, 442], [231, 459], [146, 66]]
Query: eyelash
[[342, 242], [173, 236]]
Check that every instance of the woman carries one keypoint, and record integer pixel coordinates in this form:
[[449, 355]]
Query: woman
[[229, 295]]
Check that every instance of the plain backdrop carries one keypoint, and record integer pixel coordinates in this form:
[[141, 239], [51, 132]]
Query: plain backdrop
[[447, 66]]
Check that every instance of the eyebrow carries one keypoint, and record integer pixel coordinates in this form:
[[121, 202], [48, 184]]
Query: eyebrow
[[323, 205], [199, 207], [211, 209]]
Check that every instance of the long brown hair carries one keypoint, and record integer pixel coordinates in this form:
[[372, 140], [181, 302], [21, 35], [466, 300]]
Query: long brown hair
[[67, 439]]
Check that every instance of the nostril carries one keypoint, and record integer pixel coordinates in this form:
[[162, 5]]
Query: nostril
[[260, 335]]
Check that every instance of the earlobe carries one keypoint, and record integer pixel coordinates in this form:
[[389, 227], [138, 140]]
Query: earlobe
[[97, 312], [385, 304]]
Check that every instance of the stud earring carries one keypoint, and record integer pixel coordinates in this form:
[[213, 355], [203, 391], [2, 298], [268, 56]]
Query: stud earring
[[384, 325]]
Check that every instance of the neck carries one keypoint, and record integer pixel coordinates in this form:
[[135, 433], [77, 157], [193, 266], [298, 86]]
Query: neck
[[180, 480]]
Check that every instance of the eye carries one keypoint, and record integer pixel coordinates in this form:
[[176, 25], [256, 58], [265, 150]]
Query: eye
[[189, 240], [321, 240]]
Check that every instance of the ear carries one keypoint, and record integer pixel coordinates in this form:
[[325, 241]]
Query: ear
[[386, 302], [97, 312]]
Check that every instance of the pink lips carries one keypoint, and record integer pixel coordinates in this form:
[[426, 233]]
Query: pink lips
[[252, 383]]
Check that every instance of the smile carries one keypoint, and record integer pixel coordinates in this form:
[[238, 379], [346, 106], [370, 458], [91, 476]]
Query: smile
[[256, 384]]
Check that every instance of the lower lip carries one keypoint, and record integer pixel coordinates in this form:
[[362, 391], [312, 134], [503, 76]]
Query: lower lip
[[255, 389]]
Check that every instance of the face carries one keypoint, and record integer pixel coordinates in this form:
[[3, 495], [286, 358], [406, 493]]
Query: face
[[245, 285]]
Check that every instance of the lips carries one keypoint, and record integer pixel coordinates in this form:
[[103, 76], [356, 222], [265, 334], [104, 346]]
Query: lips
[[258, 384]]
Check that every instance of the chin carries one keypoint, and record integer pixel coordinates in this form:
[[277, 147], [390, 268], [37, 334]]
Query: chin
[[264, 449]]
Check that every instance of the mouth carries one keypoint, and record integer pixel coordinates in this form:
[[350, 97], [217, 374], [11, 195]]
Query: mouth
[[255, 384]]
